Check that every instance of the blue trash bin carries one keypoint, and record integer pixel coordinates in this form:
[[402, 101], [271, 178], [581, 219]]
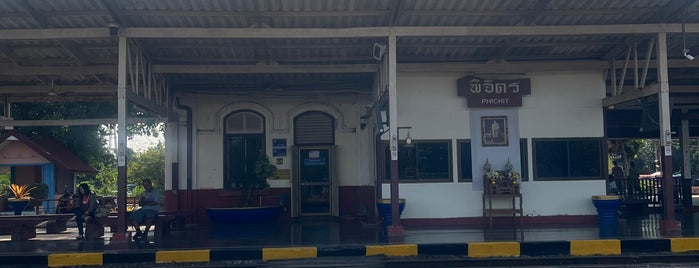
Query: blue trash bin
[[384, 209], [607, 208]]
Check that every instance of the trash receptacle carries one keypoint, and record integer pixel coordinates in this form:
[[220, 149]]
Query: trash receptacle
[[607, 208], [384, 209]]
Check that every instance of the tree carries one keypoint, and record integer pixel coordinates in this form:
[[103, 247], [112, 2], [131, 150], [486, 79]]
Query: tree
[[87, 142], [149, 164]]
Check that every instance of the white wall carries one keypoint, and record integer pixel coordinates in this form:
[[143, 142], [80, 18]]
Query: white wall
[[561, 104], [279, 112]]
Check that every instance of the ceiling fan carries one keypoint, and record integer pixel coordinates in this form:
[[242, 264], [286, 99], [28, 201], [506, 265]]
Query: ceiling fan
[[53, 93]]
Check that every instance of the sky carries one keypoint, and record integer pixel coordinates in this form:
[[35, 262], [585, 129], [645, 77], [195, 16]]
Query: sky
[[138, 143]]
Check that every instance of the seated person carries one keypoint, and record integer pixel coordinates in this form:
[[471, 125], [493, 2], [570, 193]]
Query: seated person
[[147, 213], [85, 207]]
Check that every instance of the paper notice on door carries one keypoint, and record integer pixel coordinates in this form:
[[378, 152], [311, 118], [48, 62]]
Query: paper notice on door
[[313, 154]]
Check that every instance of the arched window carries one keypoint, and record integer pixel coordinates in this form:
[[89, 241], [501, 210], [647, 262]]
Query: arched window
[[244, 141]]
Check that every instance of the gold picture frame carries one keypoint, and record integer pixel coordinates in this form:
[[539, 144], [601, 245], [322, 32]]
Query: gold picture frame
[[494, 131]]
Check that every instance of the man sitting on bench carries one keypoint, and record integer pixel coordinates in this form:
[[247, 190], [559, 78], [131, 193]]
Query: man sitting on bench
[[146, 215]]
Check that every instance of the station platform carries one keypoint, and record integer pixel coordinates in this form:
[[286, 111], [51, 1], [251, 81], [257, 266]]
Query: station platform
[[252, 245]]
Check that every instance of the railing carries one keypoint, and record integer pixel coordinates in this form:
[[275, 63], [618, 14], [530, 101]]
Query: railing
[[650, 191]]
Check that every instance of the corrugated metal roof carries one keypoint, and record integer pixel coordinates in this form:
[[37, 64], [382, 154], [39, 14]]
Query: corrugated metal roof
[[252, 14]]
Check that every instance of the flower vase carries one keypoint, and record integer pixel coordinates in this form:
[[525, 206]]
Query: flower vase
[[18, 205]]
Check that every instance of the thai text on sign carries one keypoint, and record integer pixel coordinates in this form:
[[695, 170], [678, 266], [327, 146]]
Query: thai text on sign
[[483, 93]]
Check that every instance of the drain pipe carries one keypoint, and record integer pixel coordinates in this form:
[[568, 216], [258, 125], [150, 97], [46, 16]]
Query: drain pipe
[[189, 150]]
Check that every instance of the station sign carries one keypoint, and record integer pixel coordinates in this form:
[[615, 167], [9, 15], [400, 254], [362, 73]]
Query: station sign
[[491, 93]]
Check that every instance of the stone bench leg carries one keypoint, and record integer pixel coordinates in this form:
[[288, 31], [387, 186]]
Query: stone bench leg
[[23, 232], [56, 226], [94, 229]]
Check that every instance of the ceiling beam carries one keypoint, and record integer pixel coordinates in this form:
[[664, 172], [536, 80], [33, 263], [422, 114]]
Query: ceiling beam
[[257, 33], [42, 89], [630, 95], [520, 13], [63, 33], [299, 33], [16, 70], [249, 69], [76, 122], [510, 67], [145, 103]]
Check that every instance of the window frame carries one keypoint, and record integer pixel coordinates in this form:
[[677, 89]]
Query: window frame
[[459, 156], [245, 133], [567, 140], [382, 161], [524, 158]]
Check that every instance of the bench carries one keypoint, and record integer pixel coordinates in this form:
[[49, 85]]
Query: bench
[[95, 228], [23, 227], [57, 222]]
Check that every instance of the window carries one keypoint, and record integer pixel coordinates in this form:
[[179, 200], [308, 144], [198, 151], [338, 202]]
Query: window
[[243, 143], [465, 161], [563, 159], [426, 160]]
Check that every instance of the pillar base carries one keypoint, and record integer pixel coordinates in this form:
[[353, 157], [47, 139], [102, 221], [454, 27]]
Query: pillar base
[[395, 230], [671, 228]]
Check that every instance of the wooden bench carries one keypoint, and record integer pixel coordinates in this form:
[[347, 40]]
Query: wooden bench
[[22, 227], [95, 228]]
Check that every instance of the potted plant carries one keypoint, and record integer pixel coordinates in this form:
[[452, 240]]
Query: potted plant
[[254, 182], [21, 197], [257, 179]]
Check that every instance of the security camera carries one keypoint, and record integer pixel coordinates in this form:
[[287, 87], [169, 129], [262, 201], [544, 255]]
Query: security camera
[[687, 55], [113, 29], [378, 51]]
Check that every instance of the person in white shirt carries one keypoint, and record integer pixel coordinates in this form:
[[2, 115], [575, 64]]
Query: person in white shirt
[[147, 213]]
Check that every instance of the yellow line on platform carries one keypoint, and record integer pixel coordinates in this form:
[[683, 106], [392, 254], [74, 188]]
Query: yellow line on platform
[[493, 249], [684, 244], [392, 250], [595, 247], [289, 253], [182, 256], [74, 259]]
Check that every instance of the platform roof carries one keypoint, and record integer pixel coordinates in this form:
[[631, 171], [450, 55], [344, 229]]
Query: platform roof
[[325, 46]]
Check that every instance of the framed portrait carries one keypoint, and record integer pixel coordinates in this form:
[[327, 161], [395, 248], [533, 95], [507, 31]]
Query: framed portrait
[[494, 130]]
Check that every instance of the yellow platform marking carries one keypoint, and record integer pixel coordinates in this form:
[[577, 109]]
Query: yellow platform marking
[[595, 247], [684, 244], [75, 259], [289, 253], [392, 250], [182, 256], [493, 249]]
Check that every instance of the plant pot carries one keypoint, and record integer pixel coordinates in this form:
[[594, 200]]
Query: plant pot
[[18, 205], [384, 209], [607, 208]]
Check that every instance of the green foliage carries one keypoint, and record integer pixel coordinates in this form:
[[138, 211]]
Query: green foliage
[[5, 184], [87, 142], [41, 191], [105, 182], [257, 179], [149, 164]]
